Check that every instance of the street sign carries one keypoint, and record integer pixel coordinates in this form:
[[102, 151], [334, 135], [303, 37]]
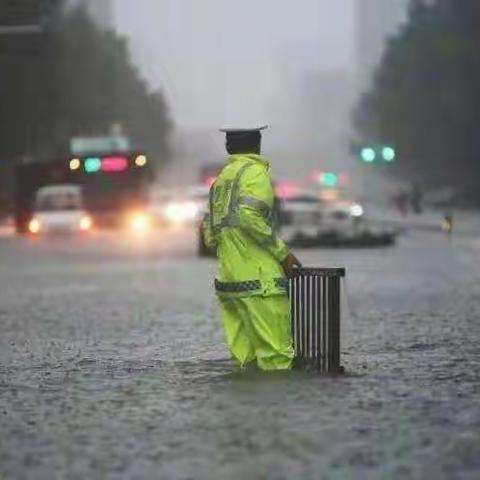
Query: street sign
[[99, 145]]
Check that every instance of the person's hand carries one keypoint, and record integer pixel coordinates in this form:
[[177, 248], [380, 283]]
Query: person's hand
[[289, 263]]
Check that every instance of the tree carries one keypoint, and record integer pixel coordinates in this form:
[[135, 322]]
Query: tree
[[101, 86], [425, 95], [78, 80], [74, 79]]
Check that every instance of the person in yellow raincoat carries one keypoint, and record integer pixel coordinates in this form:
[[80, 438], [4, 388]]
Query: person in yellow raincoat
[[254, 262]]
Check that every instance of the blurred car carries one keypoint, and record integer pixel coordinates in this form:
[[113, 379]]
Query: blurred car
[[342, 218], [59, 209], [300, 217], [180, 207], [307, 220], [198, 196], [345, 224], [139, 221]]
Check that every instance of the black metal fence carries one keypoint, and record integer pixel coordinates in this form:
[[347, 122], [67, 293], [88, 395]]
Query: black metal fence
[[315, 316]]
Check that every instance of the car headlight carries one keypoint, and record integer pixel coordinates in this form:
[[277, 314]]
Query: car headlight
[[356, 210], [85, 223], [140, 222], [34, 226], [179, 212]]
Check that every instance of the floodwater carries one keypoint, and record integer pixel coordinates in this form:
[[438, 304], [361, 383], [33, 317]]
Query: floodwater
[[112, 366]]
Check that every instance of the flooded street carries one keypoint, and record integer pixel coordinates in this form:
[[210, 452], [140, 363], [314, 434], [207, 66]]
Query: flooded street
[[113, 365]]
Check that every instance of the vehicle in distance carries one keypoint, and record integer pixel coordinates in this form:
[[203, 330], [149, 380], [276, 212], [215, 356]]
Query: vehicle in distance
[[307, 221], [345, 224], [59, 209], [180, 207], [300, 217], [344, 218]]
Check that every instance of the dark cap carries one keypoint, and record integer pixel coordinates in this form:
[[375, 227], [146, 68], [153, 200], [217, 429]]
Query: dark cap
[[243, 140], [228, 130]]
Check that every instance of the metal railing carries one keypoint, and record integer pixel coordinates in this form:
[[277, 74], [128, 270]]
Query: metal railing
[[315, 317]]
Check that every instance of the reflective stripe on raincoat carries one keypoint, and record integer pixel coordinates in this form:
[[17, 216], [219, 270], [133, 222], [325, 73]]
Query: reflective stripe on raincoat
[[240, 227]]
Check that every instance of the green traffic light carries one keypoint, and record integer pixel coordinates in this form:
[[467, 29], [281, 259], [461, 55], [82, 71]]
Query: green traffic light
[[368, 154], [92, 164], [329, 179], [388, 154]]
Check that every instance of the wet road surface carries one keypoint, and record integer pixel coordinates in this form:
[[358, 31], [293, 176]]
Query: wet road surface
[[112, 365]]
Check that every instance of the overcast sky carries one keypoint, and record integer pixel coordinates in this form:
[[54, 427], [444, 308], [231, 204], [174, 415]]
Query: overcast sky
[[225, 61]]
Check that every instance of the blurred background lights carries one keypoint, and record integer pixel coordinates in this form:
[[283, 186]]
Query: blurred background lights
[[329, 179], [74, 164], [92, 164], [368, 154], [388, 154], [141, 161]]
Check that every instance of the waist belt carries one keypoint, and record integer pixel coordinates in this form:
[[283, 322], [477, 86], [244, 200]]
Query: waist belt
[[247, 286], [281, 283], [237, 287]]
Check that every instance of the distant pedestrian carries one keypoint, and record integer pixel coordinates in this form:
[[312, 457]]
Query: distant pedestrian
[[447, 224], [416, 199], [401, 202]]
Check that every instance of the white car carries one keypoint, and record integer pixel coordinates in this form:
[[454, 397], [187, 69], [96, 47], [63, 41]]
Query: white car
[[181, 207], [300, 217], [59, 209], [342, 218], [307, 218]]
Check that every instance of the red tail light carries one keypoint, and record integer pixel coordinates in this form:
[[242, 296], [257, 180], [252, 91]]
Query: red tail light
[[114, 164], [209, 181]]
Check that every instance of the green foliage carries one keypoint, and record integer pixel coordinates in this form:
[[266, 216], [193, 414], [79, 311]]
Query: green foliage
[[425, 96], [77, 80]]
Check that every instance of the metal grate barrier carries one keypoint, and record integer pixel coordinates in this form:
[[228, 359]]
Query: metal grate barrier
[[315, 317]]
